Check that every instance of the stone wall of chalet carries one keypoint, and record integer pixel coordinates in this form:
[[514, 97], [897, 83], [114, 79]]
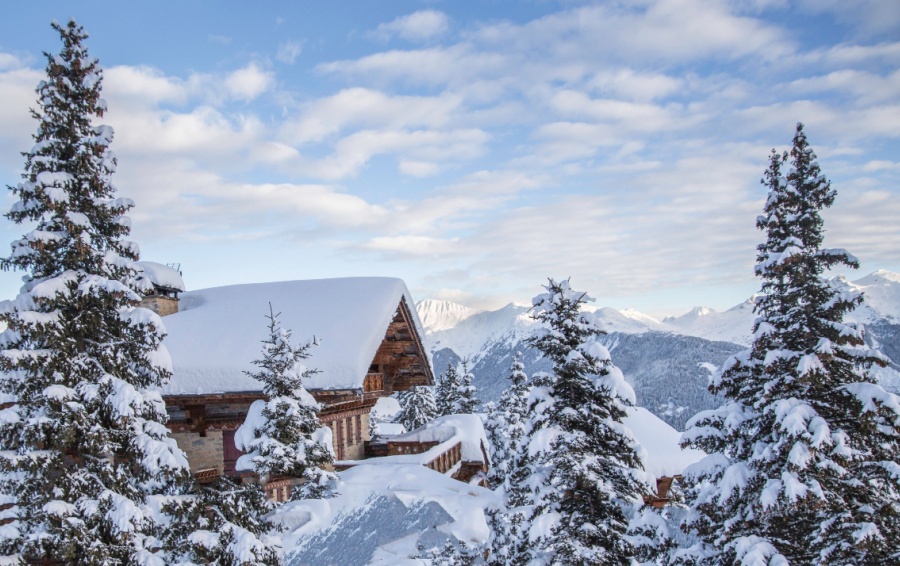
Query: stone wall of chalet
[[163, 306], [202, 453]]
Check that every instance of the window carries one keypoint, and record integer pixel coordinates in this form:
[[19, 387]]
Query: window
[[358, 429]]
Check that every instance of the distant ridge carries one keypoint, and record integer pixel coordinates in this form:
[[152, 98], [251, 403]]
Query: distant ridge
[[668, 362]]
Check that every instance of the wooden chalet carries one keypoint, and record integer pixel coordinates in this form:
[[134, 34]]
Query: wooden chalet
[[370, 345]]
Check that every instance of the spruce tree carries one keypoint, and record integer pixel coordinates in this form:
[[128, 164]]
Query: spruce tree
[[417, 407], [506, 425], [466, 401], [223, 524], [506, 429], [803, 457], [283, 436], [447, 394], [585, 466], [84, 447]]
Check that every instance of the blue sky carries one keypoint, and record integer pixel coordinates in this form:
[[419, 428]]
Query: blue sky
[[476, 148]]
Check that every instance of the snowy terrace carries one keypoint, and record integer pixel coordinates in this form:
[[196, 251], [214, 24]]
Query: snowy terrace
[[454, 445]]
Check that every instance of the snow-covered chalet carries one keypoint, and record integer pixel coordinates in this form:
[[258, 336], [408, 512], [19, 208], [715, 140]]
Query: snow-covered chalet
[[369, 339]]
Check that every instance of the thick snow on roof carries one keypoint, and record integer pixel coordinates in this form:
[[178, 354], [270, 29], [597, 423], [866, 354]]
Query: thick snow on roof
[[218, 332], [162, 275], [664, 457]]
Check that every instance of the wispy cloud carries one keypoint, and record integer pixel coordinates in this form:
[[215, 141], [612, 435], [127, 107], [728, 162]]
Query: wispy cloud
[[417, 27], [620, 144], [288, 51]]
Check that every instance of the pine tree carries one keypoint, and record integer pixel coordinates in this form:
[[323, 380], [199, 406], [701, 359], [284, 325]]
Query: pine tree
[[585, 467], [506, 429], [84, 446], [447, 394], [803, 457], [466, 401], [224, 525], [506, 425], [282, 436], [453, 553], [417, 407]]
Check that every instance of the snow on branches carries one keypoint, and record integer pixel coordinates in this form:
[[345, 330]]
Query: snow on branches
[[583, 462], [282, 437], [84, 448], [800, 454]]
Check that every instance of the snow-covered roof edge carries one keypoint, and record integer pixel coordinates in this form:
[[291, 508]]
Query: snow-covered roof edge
[[161, 275], [349, 342]]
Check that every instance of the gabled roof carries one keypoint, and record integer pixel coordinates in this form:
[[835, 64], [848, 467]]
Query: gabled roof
[[218, 332]]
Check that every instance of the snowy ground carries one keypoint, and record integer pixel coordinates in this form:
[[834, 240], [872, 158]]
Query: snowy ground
[[383, 514], [390, 510]]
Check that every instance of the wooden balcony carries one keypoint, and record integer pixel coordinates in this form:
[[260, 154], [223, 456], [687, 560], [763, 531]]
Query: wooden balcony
[[447, 459]]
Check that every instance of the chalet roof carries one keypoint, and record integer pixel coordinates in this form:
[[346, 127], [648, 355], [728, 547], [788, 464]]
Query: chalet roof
[[162, 275], [218, 332]]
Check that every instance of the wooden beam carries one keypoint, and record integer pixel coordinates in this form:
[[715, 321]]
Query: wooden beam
[[196, 415]]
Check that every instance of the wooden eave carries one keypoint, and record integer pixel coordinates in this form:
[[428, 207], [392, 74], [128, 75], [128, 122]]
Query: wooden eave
[[227, 411]]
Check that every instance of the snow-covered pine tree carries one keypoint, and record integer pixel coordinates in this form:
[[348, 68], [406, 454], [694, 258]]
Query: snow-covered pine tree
[[466, 402], [417, 407], [802, 461], [85, 440], [585, 466], [506, 425], [453, 553], [447, 394], [506, 429], [282, 437], [223, 524]]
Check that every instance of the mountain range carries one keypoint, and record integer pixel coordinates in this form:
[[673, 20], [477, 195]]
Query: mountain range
[[667, 361]]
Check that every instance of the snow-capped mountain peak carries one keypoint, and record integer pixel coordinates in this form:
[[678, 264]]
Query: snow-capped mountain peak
[[881, 291], [882, 277], [439, 315], [640, 317]]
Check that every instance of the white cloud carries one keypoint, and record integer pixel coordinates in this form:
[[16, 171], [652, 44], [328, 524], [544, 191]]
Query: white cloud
[[866, 86], [352, 152], [412, 245], [288, 51], [418, 168], [361, 107], [202, 131], [418, 26], [249, 82], [9, 61], [824, 118], [624, 142], [143, 85], [636, 85], [457, 64], [881, 165], [16, 97]]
